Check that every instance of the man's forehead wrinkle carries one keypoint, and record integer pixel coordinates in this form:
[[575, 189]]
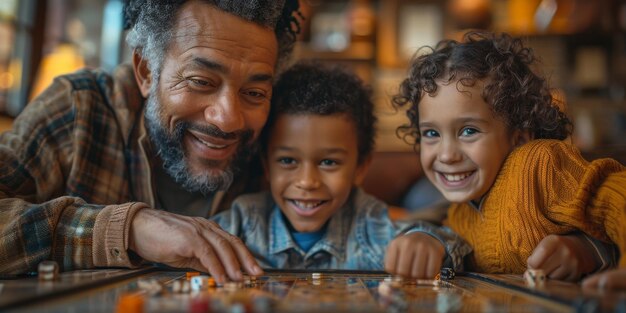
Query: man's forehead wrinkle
[[216, 43]]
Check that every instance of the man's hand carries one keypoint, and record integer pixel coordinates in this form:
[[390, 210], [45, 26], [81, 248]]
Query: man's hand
[[612, 279], [190, 242], [564, 257], [416, 255]]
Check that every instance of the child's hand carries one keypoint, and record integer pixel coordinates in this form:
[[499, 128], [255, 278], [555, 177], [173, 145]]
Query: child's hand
[[611, 279], [416, 255], [563, 257]]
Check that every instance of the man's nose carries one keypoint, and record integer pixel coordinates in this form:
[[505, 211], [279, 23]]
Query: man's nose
[[226, 112]]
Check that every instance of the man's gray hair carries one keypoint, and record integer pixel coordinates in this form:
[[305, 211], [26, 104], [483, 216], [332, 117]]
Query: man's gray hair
[[151, 23]]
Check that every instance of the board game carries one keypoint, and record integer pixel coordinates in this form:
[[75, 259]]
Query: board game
[[156, 289]]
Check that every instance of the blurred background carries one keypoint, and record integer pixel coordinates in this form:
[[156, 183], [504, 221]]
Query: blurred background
[[582, 45]]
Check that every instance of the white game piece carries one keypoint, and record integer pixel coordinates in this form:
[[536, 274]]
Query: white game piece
[[199, 283], [176, 286], [534, 277], [48, 270], [185, 286], [150, 286], [384, 288], [232, 286]]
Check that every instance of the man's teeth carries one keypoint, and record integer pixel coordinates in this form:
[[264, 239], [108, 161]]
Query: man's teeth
[[307, 205], [456, 177], [210, 145]]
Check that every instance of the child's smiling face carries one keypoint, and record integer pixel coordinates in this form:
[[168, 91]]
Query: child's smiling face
[[312, 165], [463, 143]]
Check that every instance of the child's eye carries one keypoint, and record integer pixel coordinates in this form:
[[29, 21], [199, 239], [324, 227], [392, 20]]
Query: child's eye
[[327, 162], [468, 131], [430, 133], [286, 161]]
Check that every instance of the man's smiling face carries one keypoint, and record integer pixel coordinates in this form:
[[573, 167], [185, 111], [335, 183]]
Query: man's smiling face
[[212, 97]]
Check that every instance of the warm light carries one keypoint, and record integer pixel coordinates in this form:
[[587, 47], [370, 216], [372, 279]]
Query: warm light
[[470, 13], [6, 81], [522, 16], [65, 59]]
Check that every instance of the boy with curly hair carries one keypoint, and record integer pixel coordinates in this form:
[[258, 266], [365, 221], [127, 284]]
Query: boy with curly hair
[[316, 147], [490, 137]]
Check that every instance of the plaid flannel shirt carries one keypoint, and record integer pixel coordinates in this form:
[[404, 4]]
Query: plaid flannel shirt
[[74, 170]]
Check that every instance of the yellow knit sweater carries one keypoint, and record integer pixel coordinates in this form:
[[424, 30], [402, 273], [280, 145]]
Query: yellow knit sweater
[[544, 187]]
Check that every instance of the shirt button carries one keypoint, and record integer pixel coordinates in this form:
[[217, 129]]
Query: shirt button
[[115, 252]]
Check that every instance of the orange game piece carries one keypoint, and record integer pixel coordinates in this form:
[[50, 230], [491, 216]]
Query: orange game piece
[[192, 274], [211, 282], [130, 303]]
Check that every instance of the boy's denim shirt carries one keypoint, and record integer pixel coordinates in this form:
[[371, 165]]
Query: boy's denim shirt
[[356, 237]]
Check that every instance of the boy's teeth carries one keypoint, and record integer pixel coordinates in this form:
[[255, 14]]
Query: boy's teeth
[[456, 177], [307, 204]]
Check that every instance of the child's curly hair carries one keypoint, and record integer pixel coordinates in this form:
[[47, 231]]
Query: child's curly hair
[[514, 92]]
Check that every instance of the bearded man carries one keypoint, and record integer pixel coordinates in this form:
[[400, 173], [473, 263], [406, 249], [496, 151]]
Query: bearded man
[[115, 170]]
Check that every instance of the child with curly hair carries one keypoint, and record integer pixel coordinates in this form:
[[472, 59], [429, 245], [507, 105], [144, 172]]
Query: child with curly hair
[[490, 137]]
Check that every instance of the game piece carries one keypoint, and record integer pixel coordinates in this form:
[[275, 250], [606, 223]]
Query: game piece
[[446, 273], [249, 281], [316, 279], [384, 288], [534, 277], [428, 282], [130, 303], [395, 281], [176, 286], [211, 282], [48, 270], [150, 286], [189, 275], [181, 286], [185, 286], [199, 283], [232, 286]]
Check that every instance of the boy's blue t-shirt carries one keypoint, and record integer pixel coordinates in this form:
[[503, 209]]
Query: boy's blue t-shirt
[[305, 240]]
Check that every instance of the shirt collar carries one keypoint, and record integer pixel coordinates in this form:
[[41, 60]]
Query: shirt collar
[[477, 206], [280, 238]]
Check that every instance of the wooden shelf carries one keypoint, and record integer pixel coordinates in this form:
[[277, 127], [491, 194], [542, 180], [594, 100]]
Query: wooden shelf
[[357, 51]]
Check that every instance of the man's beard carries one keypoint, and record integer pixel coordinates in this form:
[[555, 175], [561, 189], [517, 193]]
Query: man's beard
[[170, 149]]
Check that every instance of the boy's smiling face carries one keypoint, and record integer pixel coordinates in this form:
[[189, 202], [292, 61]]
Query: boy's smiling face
[[312, 165], [463, 144]]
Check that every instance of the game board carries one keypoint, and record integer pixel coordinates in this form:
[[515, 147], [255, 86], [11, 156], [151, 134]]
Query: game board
[[297, 291]]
